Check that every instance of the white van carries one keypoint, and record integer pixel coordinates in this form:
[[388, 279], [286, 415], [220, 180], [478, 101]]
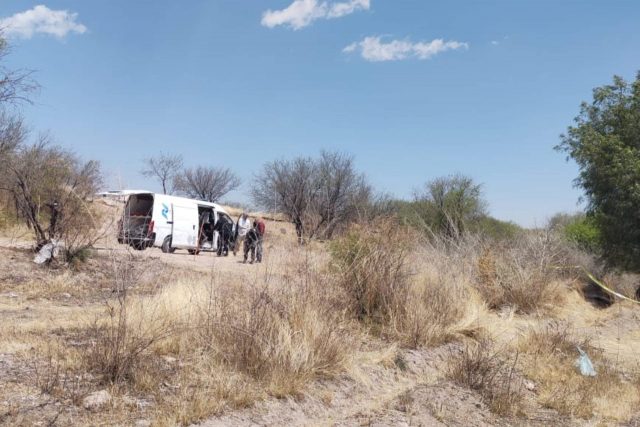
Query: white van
[[168, 222]]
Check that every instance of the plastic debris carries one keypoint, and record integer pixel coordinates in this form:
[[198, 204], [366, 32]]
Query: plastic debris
[[47, 252], [584, 364]]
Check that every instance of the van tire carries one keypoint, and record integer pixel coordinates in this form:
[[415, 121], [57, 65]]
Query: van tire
[[139, 246], [194, 251], [166, 246]]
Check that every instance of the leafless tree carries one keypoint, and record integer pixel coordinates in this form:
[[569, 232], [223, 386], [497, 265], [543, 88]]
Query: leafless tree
[[51, 189], [318, 195], [15, 85], [288, 186], [207, 182], [12, 133], [342, 192], [165, 168], [49, 186]]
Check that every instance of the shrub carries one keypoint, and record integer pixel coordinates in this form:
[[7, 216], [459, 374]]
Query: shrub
[[399, 285], [522, 274], [584, 232], [122, 341], [283, 339], [481, 368], [495, 229], [429, 316], [371, 266]]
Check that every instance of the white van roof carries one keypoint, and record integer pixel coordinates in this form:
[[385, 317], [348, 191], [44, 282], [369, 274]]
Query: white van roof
[[122, 193]]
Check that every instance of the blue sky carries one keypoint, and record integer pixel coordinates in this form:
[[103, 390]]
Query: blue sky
[[413, 89]]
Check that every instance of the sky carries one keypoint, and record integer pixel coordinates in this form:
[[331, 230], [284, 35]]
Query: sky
[[413, 89]]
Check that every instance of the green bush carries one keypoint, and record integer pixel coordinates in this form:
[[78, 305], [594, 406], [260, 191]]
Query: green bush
[[584, 232], [496, 229]]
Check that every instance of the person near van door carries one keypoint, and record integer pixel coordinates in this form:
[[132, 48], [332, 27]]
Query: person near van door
[[251, 243], [260, 228], [242, 228], [224, 227]]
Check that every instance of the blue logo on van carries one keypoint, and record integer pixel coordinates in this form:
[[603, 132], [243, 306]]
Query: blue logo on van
[[165, 211]]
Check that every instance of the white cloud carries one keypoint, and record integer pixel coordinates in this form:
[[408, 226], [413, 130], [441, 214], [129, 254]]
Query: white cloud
[[374, 49], [495, 42], [42, 20], [301, 13]]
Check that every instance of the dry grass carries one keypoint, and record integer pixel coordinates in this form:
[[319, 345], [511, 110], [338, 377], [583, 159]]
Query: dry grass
[[199, 347], [371, 267], [205, 344], [551, 354], [523, 275], [391, 290], [491, 373]]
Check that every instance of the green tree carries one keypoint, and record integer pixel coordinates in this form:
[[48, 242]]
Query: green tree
[[449, 204], [605, 143], [579, 229]]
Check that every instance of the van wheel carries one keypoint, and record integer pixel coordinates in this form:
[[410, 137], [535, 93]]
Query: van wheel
[[139, 246], [194, 251], [166, 246]]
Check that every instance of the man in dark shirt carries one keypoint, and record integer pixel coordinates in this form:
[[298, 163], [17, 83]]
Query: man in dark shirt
[[250, 243], [224, 228], [260, 227]]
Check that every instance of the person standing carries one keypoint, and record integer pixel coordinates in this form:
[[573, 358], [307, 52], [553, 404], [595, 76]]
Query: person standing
[[224, 228], [260, 228], [251, 243], [242, 228]]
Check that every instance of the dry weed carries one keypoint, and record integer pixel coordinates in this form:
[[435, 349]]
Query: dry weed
[[491, 373], [523, 274], [431, 314], [551, 353], [400, 286], [200, 347], [371, 267]]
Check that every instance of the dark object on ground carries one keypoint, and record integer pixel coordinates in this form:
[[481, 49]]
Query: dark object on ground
[[597, 296]]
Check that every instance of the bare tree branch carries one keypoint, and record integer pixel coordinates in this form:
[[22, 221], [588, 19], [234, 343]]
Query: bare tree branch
[[165, 168], [207, 183], [15, 85], [318, 195]]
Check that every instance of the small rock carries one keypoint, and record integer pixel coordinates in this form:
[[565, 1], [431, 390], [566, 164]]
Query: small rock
[[65, 295], [96, 400], [12, 295], [169, 359], [143, 423], [529, 385]]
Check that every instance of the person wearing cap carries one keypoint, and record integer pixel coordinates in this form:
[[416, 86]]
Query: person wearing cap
[[242, 228]]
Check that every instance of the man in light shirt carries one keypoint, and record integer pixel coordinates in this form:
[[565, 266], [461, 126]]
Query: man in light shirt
[[242, 228]]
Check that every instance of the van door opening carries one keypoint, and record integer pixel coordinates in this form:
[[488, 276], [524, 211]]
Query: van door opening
[[136, 225], [207, 237]]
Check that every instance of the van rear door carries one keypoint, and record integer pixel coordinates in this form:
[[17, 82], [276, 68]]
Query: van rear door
[[184, 226]]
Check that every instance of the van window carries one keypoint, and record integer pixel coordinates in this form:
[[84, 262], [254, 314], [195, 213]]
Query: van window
[[140, 205]]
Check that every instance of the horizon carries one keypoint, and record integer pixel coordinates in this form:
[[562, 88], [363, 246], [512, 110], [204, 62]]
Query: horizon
[[413, 92]]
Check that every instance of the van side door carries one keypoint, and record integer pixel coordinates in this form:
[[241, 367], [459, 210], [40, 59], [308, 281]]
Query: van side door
[[184, 232]]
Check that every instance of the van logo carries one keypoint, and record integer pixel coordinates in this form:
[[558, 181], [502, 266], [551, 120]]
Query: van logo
[[165, 211]]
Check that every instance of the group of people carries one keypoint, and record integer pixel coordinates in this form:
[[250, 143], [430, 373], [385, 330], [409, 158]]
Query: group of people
[[248, 233]]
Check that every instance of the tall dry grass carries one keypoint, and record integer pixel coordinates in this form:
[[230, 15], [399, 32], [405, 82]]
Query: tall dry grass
[[397, 287], [230, 343], [523, 274], [491, 372]]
